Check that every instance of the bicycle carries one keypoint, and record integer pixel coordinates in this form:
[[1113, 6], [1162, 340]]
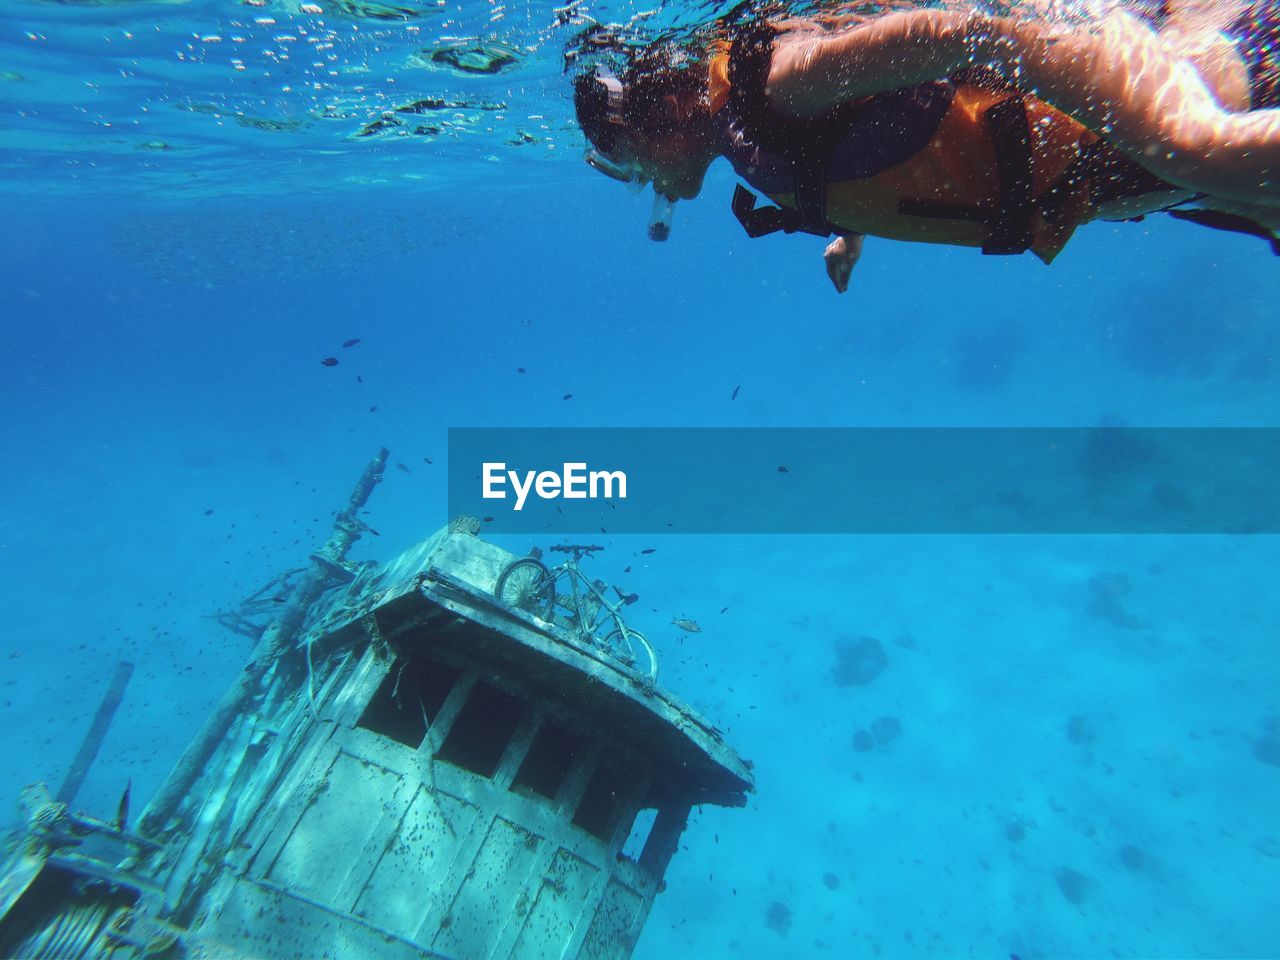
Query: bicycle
[[528, 584]]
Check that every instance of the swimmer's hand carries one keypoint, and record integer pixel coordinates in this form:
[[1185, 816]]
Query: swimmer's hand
[[840, 256]]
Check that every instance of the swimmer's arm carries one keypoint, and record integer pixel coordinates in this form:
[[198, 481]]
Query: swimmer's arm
[[1118, 79], [810, 74], [1122, 82]]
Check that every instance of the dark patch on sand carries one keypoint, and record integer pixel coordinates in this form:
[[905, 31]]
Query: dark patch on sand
[[858, 661], [1073, 884], [1132, 857], [886, 730], [778, 918], [1079, 732], [1106, 601]]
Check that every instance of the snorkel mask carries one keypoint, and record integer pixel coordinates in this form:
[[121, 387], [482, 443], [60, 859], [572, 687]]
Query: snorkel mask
[[627, 172]]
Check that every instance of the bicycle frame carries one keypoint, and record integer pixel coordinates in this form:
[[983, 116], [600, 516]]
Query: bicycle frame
[[587, 624], [584, 611]]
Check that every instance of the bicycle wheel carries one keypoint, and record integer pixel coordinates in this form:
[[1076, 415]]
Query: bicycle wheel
[[631, 647], [528, 585]]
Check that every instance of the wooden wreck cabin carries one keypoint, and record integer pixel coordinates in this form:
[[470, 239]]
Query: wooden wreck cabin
[[406, 767]]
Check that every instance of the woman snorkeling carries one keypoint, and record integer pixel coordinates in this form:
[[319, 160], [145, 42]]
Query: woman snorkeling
[[955, 127]]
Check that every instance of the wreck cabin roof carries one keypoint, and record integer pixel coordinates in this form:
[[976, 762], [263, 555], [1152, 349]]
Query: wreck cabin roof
[[441, 594]]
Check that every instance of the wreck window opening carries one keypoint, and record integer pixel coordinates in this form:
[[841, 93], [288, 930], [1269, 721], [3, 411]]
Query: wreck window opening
[[641, 827], [409, 698], [601, 805], [548, 761], [484, 727]]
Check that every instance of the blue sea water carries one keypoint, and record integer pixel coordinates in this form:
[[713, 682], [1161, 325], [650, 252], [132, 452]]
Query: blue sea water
[[1087, 763]]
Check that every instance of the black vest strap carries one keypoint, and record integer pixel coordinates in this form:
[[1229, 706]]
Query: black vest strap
[[762, 221], [1009, 222], [1010, 229], [807, 145], [811, 192]]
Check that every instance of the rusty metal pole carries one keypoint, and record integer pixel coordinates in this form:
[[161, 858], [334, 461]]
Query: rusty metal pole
[[92, 742], [277, 638]]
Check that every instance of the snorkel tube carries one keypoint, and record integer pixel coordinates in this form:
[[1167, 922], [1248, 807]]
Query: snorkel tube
[[660, 216]]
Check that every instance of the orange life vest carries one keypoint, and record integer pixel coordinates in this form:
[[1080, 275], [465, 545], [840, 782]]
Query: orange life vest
[[998, 170]]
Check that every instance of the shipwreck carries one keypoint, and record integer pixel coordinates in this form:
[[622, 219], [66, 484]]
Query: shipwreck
[[437, 756]]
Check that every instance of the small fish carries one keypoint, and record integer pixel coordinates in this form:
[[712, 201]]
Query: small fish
[[734, 395], [649, 550], [427, 460], [687, 625], [279, 600], [329, 362], [209, 512], [627, 570], [567, 396], [724, 609], [401, 466], [374, 532], [486, 519], [519, 369], [626, 598], [359, 379], [783, 470], [122, 812], [350, 343], [373, 409]]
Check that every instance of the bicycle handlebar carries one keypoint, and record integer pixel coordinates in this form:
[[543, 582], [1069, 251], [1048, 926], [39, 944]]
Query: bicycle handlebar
[[576, 548]]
